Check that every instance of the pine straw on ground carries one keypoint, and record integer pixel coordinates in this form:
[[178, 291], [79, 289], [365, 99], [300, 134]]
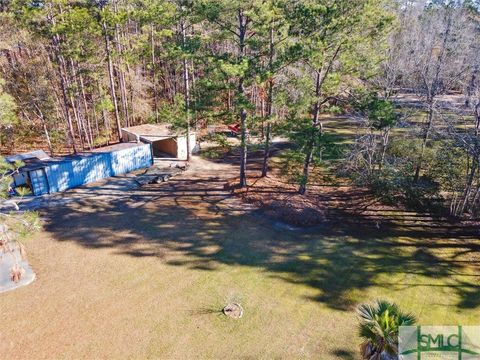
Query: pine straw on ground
[[281, 200], [345, 205]]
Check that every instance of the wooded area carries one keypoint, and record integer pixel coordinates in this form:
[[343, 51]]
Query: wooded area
[[332, 196], [74, 72]]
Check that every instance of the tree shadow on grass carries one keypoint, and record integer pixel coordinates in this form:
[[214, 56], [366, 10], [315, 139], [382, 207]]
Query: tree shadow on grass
[[186, 224], [343, 354]]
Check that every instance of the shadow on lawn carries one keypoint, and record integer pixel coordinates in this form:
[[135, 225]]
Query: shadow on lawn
[[343, 354], [186, 223]]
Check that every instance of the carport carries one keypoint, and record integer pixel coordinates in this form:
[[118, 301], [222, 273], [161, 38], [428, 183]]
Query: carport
[[165, 142]]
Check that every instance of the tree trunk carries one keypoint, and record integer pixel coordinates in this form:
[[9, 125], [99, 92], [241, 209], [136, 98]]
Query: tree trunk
[[472, 85], [105, 117], [132, 101], [311, 140], [317, 126], [45, 129], [74, 103], [123, 94], [432, 91], [477, 118], [120, 73], [186, 85], [111, 79], [88, 129], [466, 194], [385, 138], [242, 29], [426, 136], [475, 205], [63, 85], [154, 73], [266, 152], [193, 105], [82, 116]]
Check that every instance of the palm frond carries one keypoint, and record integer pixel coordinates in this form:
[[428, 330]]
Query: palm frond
[[406, 319]]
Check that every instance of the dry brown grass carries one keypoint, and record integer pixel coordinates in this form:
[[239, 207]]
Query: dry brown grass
[[146, 274]]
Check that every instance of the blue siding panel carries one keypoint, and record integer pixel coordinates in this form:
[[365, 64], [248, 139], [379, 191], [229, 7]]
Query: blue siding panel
[[84, 169], [39, 182]]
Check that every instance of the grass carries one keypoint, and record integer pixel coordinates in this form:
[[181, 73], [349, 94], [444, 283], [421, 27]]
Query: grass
[[146, 275]]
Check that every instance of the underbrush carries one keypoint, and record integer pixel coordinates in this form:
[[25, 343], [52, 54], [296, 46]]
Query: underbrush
[[213, 153], [220, 148], [394, 188]]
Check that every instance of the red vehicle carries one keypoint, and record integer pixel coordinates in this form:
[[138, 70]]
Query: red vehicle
[[235, 129]]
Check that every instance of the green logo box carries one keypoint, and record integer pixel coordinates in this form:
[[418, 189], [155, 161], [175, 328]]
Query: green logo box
[[439, 343]]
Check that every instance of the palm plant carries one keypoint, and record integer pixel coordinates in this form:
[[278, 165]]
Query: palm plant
[[378, 328]]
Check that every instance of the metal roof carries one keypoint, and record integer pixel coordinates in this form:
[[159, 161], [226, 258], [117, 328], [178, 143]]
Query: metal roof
[[115, 147], [37, 154], [34, 162], [153, 132]]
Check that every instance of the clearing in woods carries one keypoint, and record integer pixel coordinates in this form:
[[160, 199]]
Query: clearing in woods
[[146, 272]]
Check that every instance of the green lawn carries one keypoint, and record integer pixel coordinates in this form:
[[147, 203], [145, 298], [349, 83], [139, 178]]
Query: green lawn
[[146, 275]]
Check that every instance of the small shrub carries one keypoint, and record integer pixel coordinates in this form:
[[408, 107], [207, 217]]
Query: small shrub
[[220, 149], [394, 187], [221, 141]]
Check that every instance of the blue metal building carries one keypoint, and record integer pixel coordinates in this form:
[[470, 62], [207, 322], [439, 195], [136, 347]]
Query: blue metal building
[[58, 174]]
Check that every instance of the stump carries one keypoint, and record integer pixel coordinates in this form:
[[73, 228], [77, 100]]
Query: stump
[[233, 310]]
